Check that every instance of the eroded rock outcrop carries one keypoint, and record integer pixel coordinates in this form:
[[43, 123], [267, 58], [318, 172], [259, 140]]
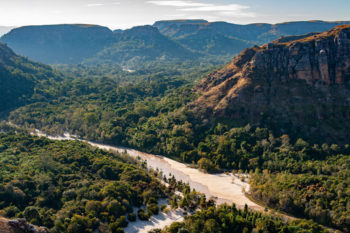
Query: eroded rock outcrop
[[292, 86], [20, 226]]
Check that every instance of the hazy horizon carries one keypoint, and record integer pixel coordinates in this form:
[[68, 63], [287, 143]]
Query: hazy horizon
[[77, 23], [122, 14]]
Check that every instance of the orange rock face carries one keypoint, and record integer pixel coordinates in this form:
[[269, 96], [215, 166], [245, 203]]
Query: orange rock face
[[288, 84]]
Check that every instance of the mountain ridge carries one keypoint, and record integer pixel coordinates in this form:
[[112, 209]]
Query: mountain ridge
[[182, 40], [57, 44], [287, 86], [255, 32]]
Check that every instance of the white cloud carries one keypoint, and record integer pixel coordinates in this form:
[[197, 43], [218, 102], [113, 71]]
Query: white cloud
[[179, 3], [94, 4], [102, 4], [212, 7], [232, 10]]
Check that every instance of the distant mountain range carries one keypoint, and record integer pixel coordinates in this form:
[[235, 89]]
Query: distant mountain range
[[258, 33], [178, 40]]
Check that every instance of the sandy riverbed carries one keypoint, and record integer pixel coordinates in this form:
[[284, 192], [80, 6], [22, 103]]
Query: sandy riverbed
[[226, 188]]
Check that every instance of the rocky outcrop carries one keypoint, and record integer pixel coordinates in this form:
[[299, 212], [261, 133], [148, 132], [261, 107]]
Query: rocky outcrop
[[290, 85], [20, 226]]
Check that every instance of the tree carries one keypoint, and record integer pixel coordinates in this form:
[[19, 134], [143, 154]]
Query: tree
[[206, 165]]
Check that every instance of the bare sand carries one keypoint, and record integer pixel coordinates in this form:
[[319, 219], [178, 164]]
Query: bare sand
[[157, 221], [225, 188]]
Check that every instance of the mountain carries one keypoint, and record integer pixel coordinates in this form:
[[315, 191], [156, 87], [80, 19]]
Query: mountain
[[165, 41], [19, 78], [4, 30], [164, 24], [141, 44], [57, 44], [207, 41], [300, 87], [258, 33]]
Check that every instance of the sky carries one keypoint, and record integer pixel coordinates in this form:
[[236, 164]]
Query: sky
[[122, 14]]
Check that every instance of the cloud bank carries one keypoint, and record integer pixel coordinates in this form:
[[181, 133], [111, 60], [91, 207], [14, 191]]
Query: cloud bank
[[233, 10]]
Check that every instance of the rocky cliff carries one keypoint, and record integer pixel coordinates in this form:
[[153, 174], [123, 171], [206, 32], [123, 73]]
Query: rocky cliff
[[295, 85]]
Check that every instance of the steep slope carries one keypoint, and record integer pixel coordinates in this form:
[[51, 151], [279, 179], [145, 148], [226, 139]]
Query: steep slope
[[58, 44], [208, 42], [301, 87], [142, 44], [19, 77]]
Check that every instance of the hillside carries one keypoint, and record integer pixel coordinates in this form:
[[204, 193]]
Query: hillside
[[207, 41], [57, 44], [141, 44], [19, 78], [299, 87]]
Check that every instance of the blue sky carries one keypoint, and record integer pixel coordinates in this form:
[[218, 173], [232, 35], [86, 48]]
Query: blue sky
[[127, 13]]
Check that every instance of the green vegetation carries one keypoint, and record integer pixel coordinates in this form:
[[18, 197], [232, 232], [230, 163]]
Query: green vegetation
[[149, 112], [23, 81], [70, 186], [319, 190], [230, 219]]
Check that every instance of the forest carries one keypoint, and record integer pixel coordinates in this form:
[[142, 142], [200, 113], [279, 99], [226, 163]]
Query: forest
[[227, 219], [148, 111], [70, 186]]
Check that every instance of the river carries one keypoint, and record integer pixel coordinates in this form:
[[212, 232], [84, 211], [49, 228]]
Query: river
[[224, 188]]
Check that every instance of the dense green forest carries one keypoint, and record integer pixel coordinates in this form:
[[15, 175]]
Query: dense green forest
[[314, 189], [231, 220], [23, 81], [69, 186]]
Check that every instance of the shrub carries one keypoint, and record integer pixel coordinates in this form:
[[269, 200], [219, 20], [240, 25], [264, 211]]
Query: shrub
[[152, 209], [132, 217], [93, 206], [11, 211], [142, 215]]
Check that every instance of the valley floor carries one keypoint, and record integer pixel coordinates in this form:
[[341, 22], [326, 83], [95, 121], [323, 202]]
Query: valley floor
[[224, 188]]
